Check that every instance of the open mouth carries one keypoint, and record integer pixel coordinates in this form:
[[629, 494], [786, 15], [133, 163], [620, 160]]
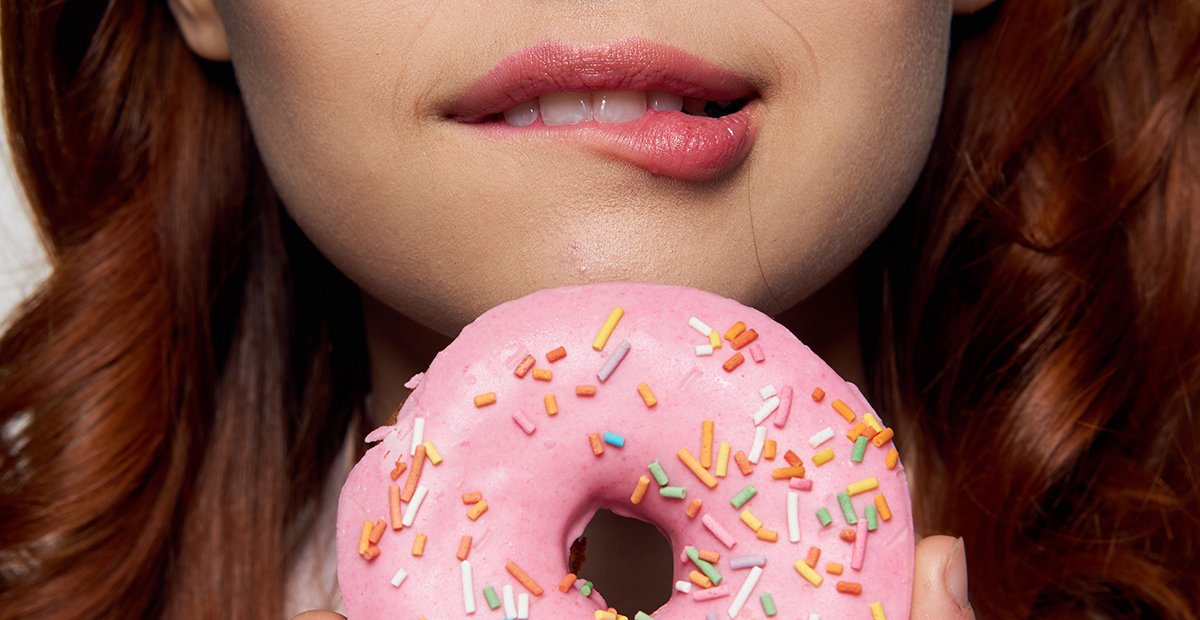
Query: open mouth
[[609, 107]]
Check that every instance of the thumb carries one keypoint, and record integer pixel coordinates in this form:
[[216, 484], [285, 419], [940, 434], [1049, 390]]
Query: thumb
[[319, 615], [940, 584]]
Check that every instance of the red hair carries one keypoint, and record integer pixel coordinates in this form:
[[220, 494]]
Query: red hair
[[174, 393]]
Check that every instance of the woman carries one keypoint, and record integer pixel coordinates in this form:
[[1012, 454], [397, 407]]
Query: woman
[[261, 211]]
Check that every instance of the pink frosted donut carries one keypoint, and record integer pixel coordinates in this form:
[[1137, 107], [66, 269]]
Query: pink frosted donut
[[552, 406]]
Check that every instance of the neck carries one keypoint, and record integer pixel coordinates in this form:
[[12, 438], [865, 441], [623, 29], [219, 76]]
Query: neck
[[827, 321]]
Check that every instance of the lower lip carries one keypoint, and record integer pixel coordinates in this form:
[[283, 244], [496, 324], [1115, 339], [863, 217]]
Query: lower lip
[[670, 144]]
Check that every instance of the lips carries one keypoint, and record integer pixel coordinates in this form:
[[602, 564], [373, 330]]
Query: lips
[[669, 143]]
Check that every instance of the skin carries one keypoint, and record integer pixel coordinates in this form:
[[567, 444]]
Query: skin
[[436, 223]]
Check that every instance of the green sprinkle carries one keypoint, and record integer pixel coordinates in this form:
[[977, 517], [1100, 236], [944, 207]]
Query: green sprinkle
[[673, 492], [860, 448], [708, 569], [847, 508], [872, 518], [743, 496], [823, 516], [768, 603], [493, 601], [586, 590], [641, 615], [660, 476]]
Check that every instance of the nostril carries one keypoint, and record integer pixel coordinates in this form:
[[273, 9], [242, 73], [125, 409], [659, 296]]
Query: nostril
[[628, 561]]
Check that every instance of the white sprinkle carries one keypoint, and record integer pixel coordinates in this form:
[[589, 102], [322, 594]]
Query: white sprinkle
[[418, 435], [399, 577], [704, 350], [814, 616], [744, 593], [468, 585], [410, 512], [700, 326], [523, 605], [821, 436], [525, 423], [767, 391], [510, 605], [767, 408], [793, 516], [683, 586], [747, 561], [760, 439]]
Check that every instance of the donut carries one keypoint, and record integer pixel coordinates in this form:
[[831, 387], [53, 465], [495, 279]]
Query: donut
[[777, 485]]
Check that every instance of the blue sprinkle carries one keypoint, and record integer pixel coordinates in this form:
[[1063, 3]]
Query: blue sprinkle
[[614, 439]]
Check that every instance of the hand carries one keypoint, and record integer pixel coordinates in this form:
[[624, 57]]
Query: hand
[[940, 585]]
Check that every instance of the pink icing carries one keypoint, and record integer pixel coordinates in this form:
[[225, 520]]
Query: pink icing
[[542, 488]]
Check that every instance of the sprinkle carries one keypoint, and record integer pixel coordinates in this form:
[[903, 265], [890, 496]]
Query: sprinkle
[[607, 329], [756, 354], [792, 458], [522, 577], [525, 423], [699, 579], [706, 444], [523, 606], [747, 561], [704, 350], [432, 453], [414, 474], [823, 516], [567, 581], [410, 511], [733, 362], [873, 422], [602, 614], [767, 408], [844, 410], [881, 504], [641, 615], [855, 432], [683, 586], [693, 508], [418, 547], [510, 601], [760, 440], [793, 516], [551, 404], [418, 436], [673, 492], [785, 406], [399, 577], [750, 520], [647, 396], [862, 486], [525, 366], [543, 374], [783, 473], [718, 531], [483, 400], [694, 465], [767, 534], [818, 395], [464, 548], [556, 354], [767, 391], [847, 508], [744, 339], [860, 449], [394, 507], [714, 340], [821, 436], [743, 463], [708, 594], [377, 531], [814, 554], [733, 332], [468, 588], [706, 567], [585, 390], [614, 440], [877, 611], [700, 326], [398, 470], [722, 460], [800, 484], [639, 491], [769, 449], [708, 555], [833, 568], [364, 540], [860, 546], [823, 457], [743, 496], [596, 443], [893, 457], [613, 360], [872, 518], [744, 593], [848, 534], [586, 588], [477, 510], [849, 587], [489, 594], [808, 573], [768, 604], [660, 476], [883, 437]]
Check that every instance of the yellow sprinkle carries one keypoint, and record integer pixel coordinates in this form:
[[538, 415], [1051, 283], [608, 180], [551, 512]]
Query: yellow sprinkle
[[862, 486], [723, 459], [483, 400], [694, 465], [877, 611], [609, 325], [823, 457], [808, 573], [872, 422], [418, 548], [551, 404], [364, 540], [700, 579], [543, 374], [639, 491], [477, 510], [750, 520], [647, 395], [706, 439], [844, 410], [714, 339], [432, 453], [767, 535], [603, 614]]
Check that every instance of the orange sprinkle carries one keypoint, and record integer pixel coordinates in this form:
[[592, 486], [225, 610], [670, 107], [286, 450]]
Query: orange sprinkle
[[744, 339], [418, 548], [783, 473], [881, 506], [712, 557], [394, 506], [377, 531], [522, 577], [856, 431], [567, 582], [733, 362], [597, 444], [472, 497], [639, 491], [699, 579], [585, 390], [483, 400], [883, 437], [818, 395], [708, 479], [464, 548], [693, 508], [792, 458], [398, 470], [767, 535], [849, 587], [733, 332], [525, 366], [556, 354], [542, 374], [844, 410], [743, 463], [551, 404], [372, 552], [477, 510], [870, 433], [814, 554], [706, 444], [647, 395], [847, 534], [364, 540], [414, 474], [893, 457], [833, 568], [769, 449]]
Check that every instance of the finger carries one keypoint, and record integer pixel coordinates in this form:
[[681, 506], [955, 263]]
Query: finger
[[940, 586], [317, 614]]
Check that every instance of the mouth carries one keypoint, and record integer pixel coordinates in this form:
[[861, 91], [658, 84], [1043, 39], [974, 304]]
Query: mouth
[[654, 106]]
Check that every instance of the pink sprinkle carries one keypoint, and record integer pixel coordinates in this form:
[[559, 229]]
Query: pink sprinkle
[[683, 558], [785, 406], [721, 533], [860, 545], [524, 422], [708, 594], [800, 484], [756, 353]]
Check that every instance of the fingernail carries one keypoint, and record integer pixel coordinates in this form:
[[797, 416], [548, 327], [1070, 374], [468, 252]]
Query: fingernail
[[956, 574]]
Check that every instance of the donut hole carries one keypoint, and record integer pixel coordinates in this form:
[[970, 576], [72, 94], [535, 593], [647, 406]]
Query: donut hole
[[628, 561]]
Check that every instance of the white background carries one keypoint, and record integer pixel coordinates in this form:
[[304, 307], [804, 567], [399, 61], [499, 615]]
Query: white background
[[22, 260]]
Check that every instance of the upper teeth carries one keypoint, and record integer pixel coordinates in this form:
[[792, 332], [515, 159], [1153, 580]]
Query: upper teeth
[[605, 106]]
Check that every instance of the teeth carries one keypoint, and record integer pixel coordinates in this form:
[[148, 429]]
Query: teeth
[[523, 114], [566, 108], [619, 106], [662, 101]]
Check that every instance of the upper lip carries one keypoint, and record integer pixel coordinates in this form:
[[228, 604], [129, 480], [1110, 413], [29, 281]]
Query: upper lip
[[629, 64]]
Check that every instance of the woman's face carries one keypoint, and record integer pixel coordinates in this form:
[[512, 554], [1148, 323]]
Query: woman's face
[[359, 110]]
